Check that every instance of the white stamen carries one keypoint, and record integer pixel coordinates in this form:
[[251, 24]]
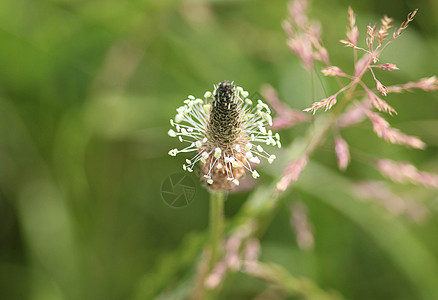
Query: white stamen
[[271, 158], [217, 152], [269, 119], [171, 133], [207, 108], [255, 160], [173, 152]]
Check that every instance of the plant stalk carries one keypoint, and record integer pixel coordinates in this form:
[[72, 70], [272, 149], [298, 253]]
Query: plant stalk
[[216, 225]]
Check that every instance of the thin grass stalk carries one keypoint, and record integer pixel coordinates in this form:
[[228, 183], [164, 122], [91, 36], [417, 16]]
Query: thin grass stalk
[[216, 225]]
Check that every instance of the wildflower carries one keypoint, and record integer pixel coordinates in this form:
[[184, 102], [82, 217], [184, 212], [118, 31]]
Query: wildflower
[[352, 31], [342, 153], [302, 226], [326, 103], [376, 41], [378, 103], [393, 203], [304, 36], [386, 67], [405, 172], [425, 84], [354, 114], [381, 88], [240, 248], [292, 172], [333, 71], [226, 131], [392, 135], [286, 116]]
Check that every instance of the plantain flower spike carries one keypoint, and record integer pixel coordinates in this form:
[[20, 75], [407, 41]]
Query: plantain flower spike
[[227, 132]]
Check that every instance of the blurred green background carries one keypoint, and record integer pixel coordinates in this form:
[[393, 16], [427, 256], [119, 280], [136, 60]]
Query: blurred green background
[[87, 89]]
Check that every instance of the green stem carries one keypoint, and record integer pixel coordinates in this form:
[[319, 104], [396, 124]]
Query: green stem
[[216, 225]]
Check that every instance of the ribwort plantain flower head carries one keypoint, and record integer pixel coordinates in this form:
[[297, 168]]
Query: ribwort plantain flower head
[[226, 131]]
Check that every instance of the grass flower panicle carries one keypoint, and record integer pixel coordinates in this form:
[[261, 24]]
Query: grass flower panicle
[[392, 135], [305, 41], [399, 205], [342, 153], [405, 172], [302, 226], [376, 41], [285, 115], [226, 131]]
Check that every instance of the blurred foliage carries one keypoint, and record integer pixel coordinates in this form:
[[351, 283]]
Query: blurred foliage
[[86, 92]]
